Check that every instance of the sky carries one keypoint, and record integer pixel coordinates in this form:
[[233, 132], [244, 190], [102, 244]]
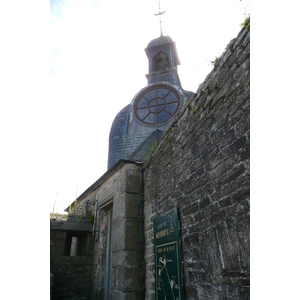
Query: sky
[[98, 64]]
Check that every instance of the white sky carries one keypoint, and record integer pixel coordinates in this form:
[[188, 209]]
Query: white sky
[[98, 63]]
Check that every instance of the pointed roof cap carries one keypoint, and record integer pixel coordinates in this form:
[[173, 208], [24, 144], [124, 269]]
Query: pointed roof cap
[[160, 41]]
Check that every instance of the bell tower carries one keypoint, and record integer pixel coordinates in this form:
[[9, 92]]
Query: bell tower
[[163, 61]]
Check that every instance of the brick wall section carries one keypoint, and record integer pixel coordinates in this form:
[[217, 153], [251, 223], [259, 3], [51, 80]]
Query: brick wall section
[[202, 165]]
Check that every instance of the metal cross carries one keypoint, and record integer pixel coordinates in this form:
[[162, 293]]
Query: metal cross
[[159, 14]]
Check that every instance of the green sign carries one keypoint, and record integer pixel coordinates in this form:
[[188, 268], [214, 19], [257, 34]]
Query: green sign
[[168, 281]]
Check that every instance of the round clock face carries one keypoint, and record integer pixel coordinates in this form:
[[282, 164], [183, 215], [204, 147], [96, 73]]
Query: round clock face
[[156, 105]]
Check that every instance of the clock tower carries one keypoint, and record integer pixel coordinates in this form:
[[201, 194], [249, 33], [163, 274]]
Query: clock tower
[[152, 109]]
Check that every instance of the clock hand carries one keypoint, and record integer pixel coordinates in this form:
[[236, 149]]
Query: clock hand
[[170, 282], [159, 270], [162, 261]]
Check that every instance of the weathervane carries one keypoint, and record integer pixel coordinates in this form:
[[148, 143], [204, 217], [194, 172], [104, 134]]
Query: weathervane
[[159, 14]]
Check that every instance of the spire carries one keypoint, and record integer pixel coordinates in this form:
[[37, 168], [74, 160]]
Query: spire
[[159, 14]]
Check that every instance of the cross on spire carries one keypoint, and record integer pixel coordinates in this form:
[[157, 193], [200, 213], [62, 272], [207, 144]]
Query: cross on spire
[[159, 14]]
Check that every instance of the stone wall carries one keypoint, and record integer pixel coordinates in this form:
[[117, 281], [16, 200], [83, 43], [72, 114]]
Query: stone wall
[[202, 165], [72, 272]]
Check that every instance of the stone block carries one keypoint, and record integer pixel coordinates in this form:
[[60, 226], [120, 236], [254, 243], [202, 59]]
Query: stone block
[[125, 279], [246, 39], [129, 259], [190, 209], [59, 234], [71, 260], [224, 57], [242, 34], [82, 225], [58, 241], [233, 173], [125, 234], [58, 251], [127, 206], [244, 56], [190, 240], [118, 295], [133, 181]]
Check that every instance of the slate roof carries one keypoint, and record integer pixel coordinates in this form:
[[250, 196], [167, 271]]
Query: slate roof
[[160, 41], [145, 149], [117, 137]]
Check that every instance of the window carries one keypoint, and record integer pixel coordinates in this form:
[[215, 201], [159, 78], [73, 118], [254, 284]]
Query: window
[[160, 61], [76, 243], [156, 105]]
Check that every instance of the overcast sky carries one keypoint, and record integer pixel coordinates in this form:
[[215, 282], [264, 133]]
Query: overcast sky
[[98, 64]]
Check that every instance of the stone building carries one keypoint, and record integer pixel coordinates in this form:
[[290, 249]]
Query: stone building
[[174, 156]]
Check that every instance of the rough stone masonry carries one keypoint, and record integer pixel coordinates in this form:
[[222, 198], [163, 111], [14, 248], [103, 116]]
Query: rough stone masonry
[[202, 165]]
